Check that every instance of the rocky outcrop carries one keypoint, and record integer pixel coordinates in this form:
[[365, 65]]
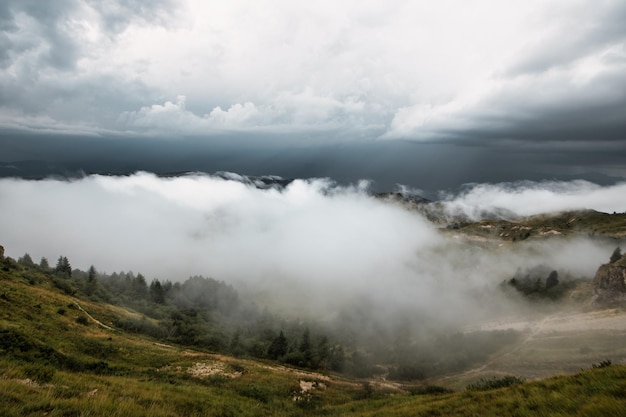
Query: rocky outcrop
[[609, 284]]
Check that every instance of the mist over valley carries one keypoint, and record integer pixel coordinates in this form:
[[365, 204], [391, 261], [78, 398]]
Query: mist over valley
[[422, 288]]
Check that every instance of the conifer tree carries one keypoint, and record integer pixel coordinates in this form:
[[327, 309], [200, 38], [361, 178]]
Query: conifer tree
[[617, 255], [26, 260], [44, 263], [279, 347], [91, 280], [63, 267], [157, 292]]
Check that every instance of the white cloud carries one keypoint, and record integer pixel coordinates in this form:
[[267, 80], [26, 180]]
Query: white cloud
[[173, 117], [287, 111], [529, 198]]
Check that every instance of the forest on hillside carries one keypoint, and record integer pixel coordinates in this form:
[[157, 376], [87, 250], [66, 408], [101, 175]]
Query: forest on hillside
[[211, 315]]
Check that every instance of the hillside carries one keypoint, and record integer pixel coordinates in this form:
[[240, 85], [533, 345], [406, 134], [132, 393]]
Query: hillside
[[570, 223], [62, 355], [501, 224]]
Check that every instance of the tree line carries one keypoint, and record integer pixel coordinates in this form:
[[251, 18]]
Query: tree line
[[201, 312], [211, 315]]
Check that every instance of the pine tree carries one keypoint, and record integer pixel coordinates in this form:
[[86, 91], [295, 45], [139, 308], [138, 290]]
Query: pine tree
[[235, 347], [91, 276], [91, 280], [305, 347], [140, 287], [552, 280], [26, 260], [63, 267], [157, 292], [44, 263], [278, 347], [67, 268], [617, 255]]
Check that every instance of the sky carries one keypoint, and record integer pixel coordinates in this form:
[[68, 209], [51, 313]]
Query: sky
[[427, 94]]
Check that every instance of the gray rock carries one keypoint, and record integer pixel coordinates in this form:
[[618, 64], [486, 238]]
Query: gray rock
[[609, 284]]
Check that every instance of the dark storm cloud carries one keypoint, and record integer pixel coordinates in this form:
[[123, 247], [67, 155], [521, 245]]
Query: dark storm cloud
[[42, 41], [33, 23], [116, 16], [428, 167], [539, 109], [46, 26]]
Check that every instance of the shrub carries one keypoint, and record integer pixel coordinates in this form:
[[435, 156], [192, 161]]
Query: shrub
[[40, 373], [430, 390], [406, 373], [64, 286], [602, 364], [82, 320], [485, 384], [255, 393]]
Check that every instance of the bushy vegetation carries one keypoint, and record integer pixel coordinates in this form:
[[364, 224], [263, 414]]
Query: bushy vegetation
[[209, 314], [485, 384], [201, 312], [540, 283], [52, 365]]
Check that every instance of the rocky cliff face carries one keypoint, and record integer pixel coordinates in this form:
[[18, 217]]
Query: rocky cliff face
[[609, 284]]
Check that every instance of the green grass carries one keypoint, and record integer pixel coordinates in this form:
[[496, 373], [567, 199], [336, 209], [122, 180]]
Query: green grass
[[598, 392], [52, 365], [581, 222]]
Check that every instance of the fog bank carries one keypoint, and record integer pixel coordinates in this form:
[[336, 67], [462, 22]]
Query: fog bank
[[527, 198], [313, 245]]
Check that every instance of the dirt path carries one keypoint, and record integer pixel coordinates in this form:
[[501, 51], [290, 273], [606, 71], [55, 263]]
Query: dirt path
[[536, 328], [601, 320], [98, 322]]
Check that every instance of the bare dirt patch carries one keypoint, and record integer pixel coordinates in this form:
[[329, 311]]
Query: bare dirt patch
[[307, 388], [561, 343], [207, 369]]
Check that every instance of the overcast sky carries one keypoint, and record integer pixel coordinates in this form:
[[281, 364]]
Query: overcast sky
[[473, 91]]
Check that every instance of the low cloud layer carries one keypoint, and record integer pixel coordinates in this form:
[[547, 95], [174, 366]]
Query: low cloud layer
[[529, 198], [312, 246]]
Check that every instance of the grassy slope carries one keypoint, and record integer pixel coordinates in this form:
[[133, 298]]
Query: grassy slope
[[52, 365], [582, 222]]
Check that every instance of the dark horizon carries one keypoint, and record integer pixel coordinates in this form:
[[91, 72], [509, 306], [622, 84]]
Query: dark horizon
[[428, 167]]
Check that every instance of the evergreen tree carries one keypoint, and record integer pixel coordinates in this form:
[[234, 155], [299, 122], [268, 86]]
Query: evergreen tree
[[305, 347], [63, 267], [91, 280], [26, 260], [337, 358], [140, 287], [157, 292], [322, 357], [44, 263], [91, 275], [617, 255], [278, 347], [552, 280], [235, 347]]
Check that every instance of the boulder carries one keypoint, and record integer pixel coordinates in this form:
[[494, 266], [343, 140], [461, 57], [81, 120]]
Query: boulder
[[609, 284]]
